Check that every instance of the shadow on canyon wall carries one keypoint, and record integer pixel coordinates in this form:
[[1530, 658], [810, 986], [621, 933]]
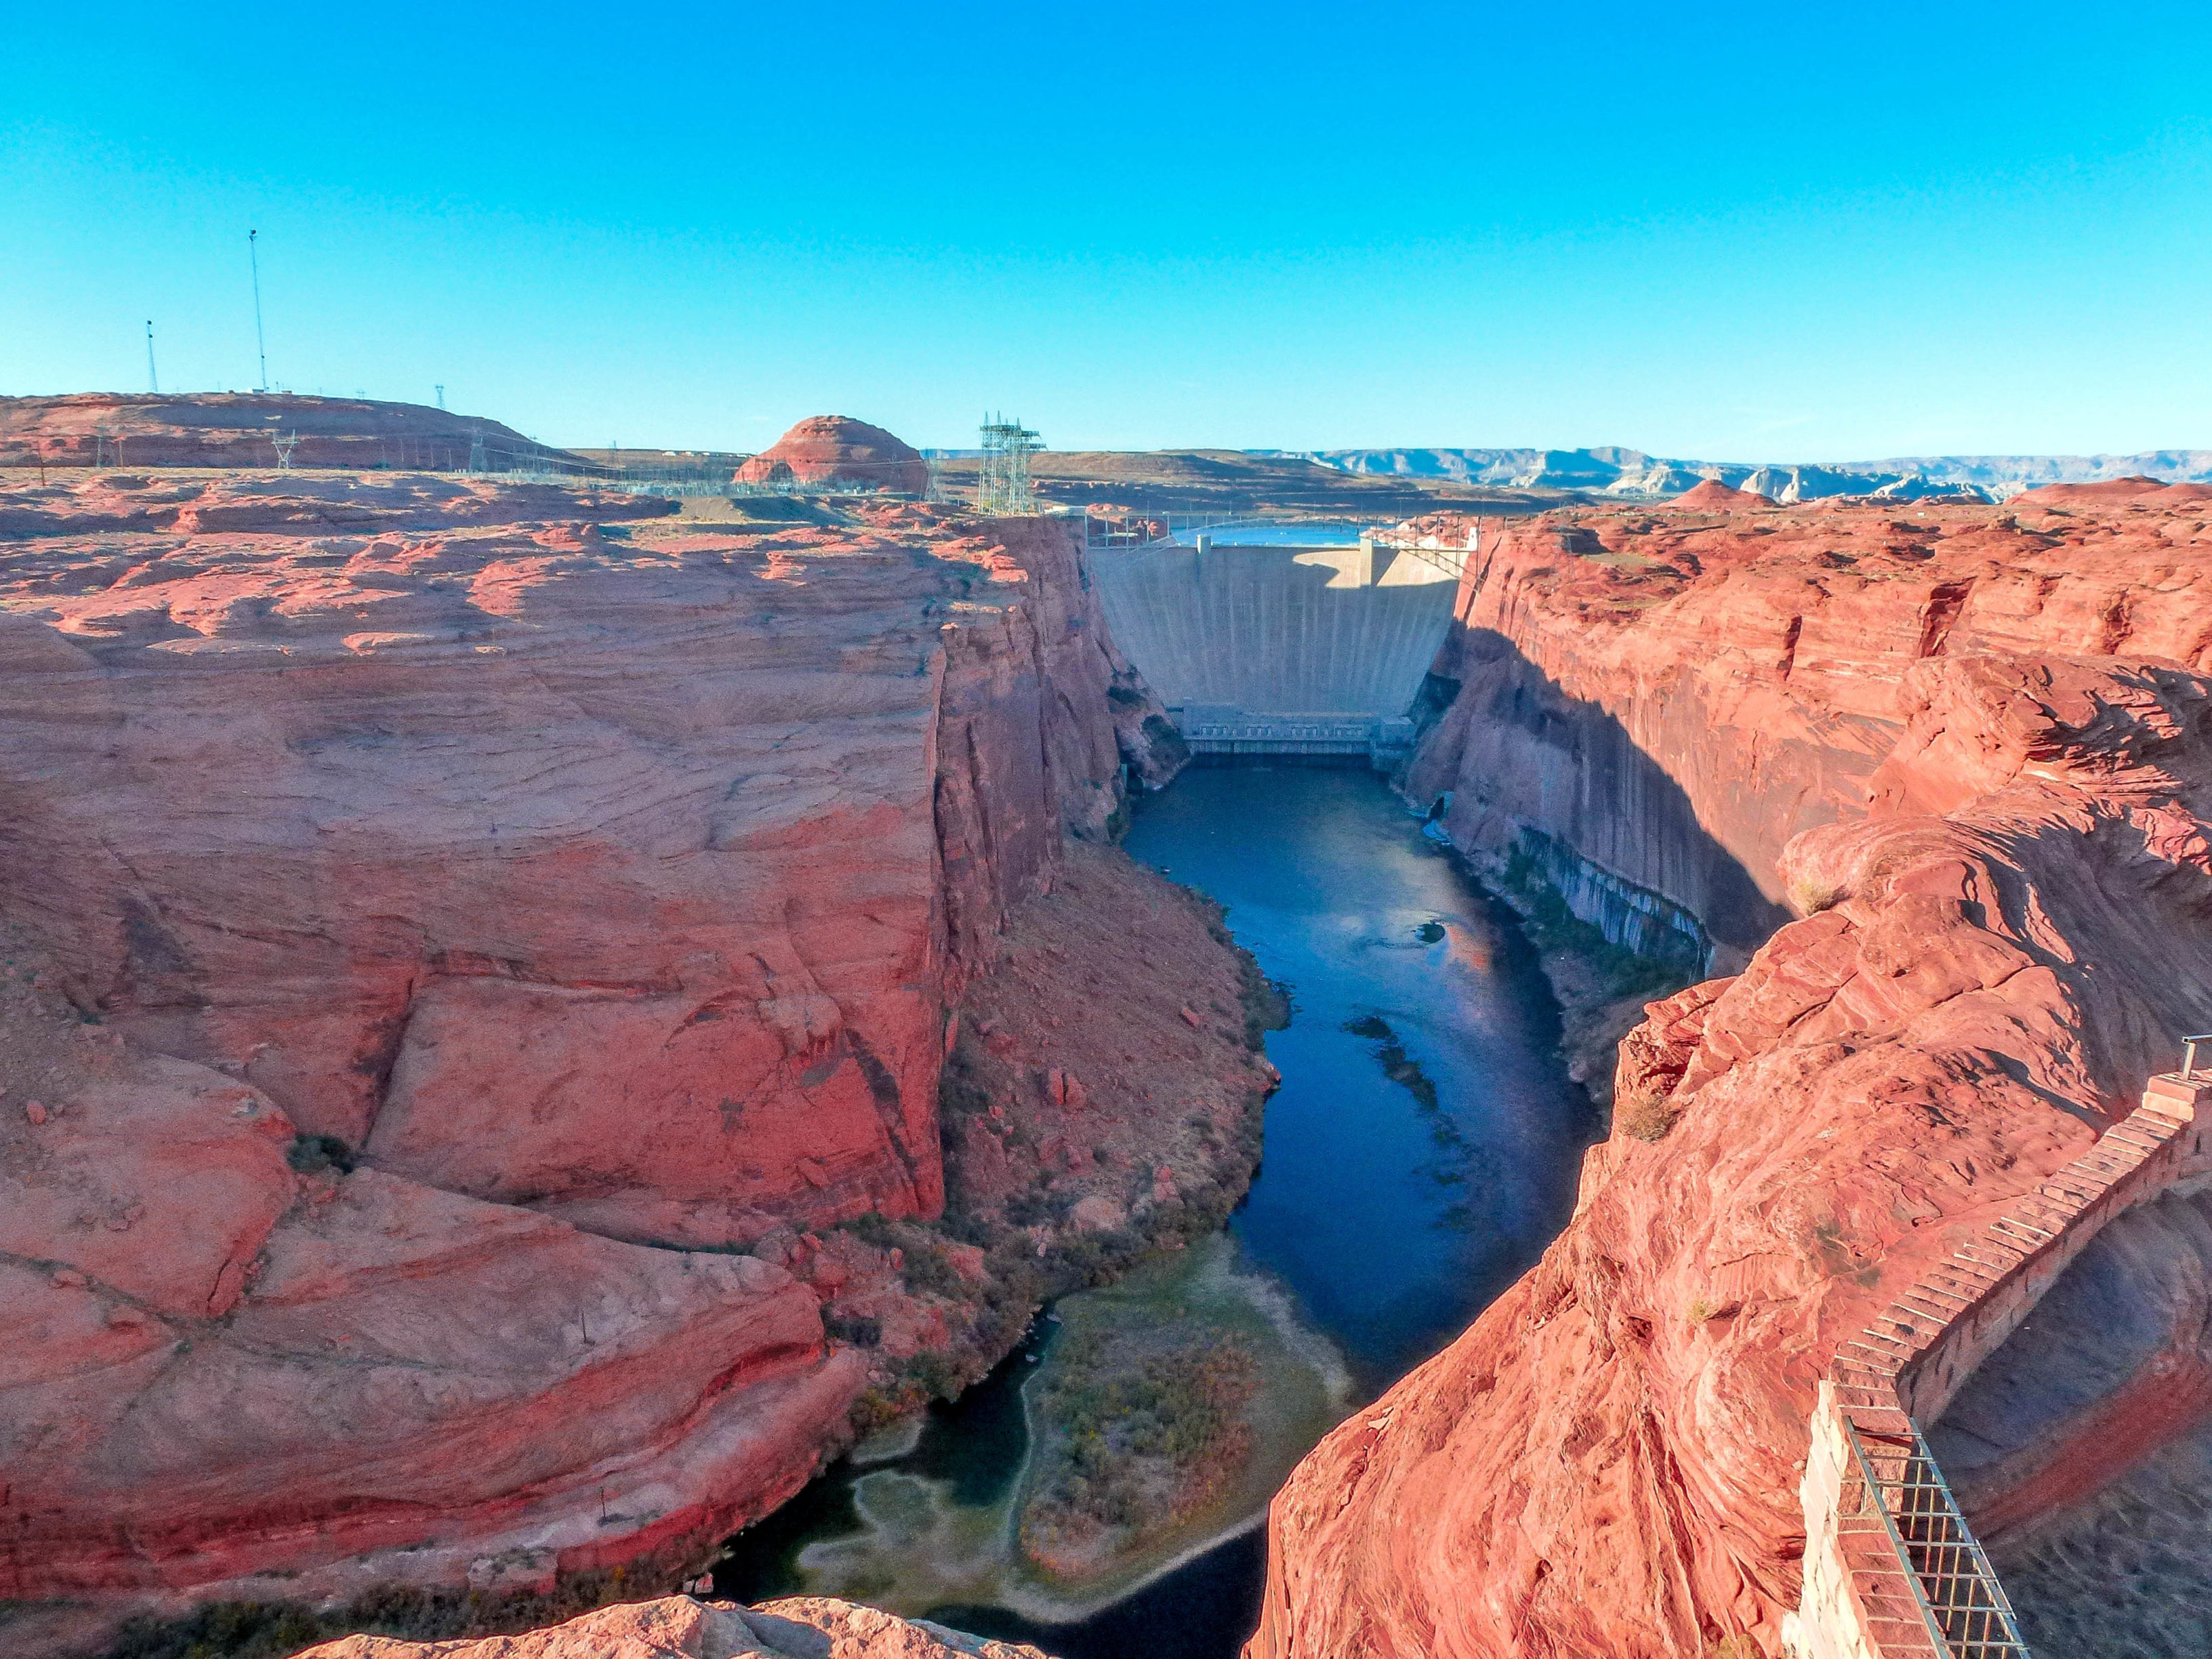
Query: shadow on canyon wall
[[1547, 783]]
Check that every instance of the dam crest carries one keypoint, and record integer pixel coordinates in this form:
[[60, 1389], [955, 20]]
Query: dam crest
[[1284, 650]]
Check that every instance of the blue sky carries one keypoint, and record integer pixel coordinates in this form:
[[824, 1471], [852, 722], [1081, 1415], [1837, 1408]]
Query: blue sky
[[1727, 232]]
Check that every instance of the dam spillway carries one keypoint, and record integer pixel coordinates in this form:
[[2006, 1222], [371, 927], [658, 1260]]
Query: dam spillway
[[1282, 650]]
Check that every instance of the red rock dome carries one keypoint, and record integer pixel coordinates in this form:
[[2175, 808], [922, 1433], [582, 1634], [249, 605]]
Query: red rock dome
[[833, 450], [1714, 496]]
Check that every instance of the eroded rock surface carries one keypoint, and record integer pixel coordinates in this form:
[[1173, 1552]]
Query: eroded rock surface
[[1651, 705], [446, 923], [1964, 758], [677, 1628], [831, 452]]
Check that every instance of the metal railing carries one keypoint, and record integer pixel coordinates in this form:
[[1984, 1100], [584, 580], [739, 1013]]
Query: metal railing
[[1956, 1591], [1101, 530], [1103, 533]]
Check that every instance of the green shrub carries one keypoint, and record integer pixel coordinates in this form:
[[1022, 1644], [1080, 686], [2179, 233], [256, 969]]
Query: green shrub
[[1647, 1119], [859, 1330], [937, 1374], [1810, 895], [312, 1154], [926, 1268], [871, 1229]]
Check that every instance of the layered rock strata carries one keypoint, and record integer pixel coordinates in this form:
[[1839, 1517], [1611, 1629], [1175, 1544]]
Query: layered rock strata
[[456, 919], [836, 452], [677, 1628], [1965, 759]]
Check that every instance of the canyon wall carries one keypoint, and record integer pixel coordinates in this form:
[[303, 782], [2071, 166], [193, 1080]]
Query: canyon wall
[[1964, 759], [445, 922], [1666, 700]]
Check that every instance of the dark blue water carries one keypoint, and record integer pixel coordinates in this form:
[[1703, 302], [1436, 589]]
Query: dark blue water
[[1420, 1154], [1423, 1148]]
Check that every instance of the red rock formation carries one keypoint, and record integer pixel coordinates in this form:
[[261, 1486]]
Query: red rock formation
[[1993, 830], [1714, 496], [677, 1628], [236, 429], [597, 883], [837, 452], [2115, 492]]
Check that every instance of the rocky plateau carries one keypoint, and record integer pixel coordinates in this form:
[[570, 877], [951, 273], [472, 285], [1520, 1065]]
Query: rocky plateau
[[526, 1016], [479, 960], [234, 430]]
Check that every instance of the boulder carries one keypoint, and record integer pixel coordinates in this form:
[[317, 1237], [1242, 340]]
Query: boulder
[[678, 1627]]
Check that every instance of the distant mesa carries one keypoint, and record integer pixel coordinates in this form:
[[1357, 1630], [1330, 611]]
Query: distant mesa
[[2151, 492], [1630, 474], [1714, 496], [239, 429], [834, 451]]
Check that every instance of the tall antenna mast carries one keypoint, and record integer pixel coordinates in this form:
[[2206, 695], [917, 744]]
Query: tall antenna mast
[[253, 253], [153, 380]]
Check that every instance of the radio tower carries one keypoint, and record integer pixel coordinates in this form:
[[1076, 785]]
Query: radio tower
[[1003, 482], [153, 380], [253, 253]]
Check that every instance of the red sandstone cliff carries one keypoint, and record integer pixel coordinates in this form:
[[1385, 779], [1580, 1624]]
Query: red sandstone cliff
[[1972, 751], [597, 883], [836, 450]]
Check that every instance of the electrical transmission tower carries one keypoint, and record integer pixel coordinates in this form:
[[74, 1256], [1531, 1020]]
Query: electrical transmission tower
[[1002, 484], [253, 252], [285, 442]]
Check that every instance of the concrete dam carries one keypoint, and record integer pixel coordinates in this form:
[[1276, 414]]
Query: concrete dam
[[1283, 650]]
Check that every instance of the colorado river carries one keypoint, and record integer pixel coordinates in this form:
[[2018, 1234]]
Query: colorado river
[[1421, 1152]]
